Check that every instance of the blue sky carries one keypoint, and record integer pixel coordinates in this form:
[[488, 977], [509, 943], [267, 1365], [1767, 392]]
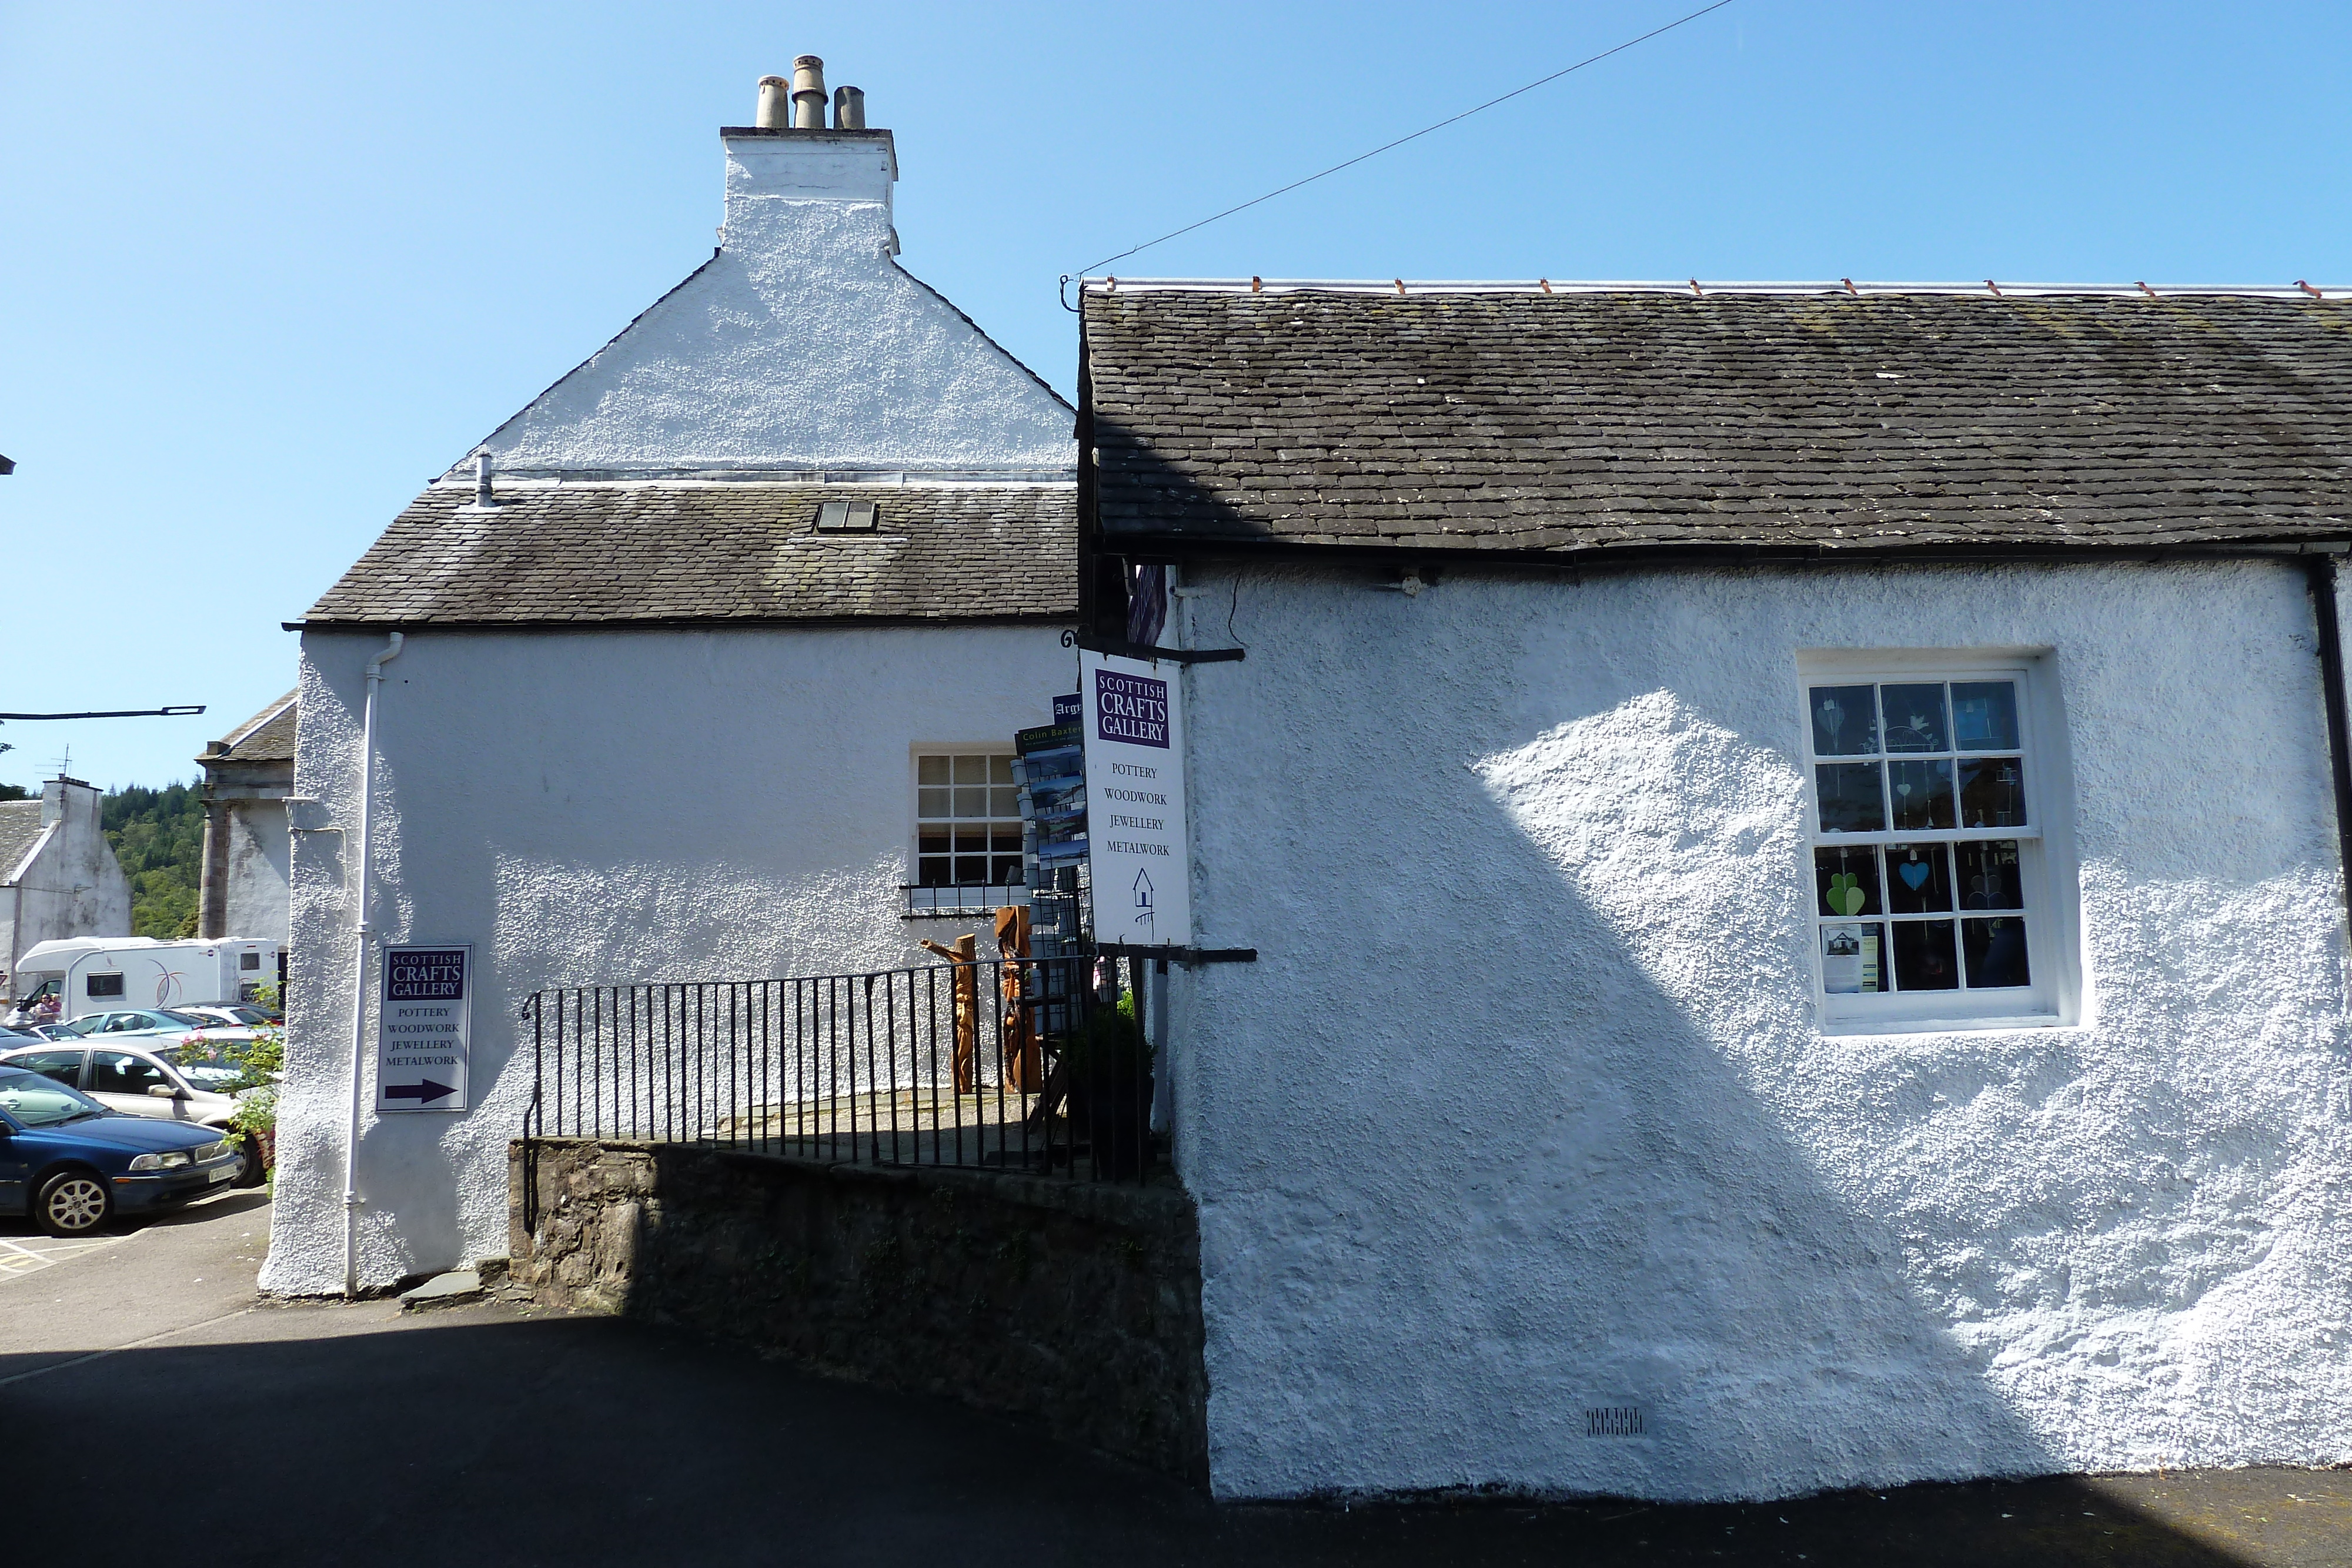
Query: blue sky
[[268, 270]]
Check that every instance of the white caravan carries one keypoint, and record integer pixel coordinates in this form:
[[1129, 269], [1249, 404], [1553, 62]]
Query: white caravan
[[90, 974]]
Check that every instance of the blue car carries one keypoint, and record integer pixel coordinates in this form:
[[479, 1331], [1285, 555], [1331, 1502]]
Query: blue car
[[73, 1165]]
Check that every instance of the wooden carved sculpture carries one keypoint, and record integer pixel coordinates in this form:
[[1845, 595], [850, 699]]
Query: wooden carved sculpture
[[965, 957], [1017, 1021]]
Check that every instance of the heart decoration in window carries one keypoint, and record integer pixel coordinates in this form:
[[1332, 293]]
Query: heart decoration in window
[[1846, 896], [1914, 873]]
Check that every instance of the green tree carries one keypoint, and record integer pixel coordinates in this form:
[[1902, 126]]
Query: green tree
[[158, 835]]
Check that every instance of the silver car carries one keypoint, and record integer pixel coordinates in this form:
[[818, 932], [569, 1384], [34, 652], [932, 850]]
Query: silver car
[[149, 1077]]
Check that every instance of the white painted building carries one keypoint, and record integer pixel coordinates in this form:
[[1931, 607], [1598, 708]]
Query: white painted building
[[675, 643], [1794, 846], [247, 851], [58, 876]]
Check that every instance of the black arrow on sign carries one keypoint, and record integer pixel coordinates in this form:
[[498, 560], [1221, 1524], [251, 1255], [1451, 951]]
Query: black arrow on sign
[[429, 1090]]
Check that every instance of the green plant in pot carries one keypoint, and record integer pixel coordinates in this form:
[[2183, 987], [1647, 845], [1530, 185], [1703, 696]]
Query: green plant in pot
[[1107, 1063]]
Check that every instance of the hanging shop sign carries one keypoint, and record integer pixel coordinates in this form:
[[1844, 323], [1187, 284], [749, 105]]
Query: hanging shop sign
[[1134, 735], [425, 1029]]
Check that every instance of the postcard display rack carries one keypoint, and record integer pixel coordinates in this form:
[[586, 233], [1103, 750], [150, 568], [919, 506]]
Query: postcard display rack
[[1052, 775]]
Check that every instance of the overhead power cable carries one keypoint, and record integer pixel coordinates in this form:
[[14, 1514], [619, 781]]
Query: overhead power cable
[[1391, 146]]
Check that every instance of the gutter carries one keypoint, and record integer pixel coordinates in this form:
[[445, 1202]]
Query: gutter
[[2320, 571], [688, 623], [2335, 541]]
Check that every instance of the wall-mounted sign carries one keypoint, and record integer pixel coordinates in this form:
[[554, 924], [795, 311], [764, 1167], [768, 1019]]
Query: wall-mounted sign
[[424, 1029], [1136, 843]]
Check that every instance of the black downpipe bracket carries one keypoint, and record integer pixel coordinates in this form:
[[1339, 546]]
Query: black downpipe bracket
[[2319, 570]]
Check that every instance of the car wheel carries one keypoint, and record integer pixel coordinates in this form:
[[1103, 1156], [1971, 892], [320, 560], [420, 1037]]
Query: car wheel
[[255, 1170], [73, 1203]]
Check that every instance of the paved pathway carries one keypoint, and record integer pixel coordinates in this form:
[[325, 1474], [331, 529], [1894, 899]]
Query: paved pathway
[[260, 1433]]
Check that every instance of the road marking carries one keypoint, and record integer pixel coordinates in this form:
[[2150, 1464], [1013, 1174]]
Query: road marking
[[17, 1261], [134, 1344]]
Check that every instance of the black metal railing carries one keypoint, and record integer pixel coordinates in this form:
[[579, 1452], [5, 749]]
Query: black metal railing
[[1026, 1065]]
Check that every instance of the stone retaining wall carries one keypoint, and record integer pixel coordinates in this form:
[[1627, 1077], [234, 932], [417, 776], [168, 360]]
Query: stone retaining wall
[[1076, 1302]]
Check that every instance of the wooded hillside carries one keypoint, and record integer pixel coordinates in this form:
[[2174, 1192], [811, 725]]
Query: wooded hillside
[[159, 837]]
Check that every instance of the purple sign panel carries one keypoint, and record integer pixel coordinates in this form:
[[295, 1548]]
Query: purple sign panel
[[424, 975], [1131, 709]]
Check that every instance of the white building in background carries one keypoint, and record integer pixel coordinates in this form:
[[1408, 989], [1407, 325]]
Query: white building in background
[[247, 853], [58, 876], [1794, 846], [672, 646]]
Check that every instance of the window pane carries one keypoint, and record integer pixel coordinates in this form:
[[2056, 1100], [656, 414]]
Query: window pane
[[1996, 950], [1006, 872], [1984, 716], [1003, 802], [972, 802], [1918, 878], [1915, 719], [931, 842], [1851, 802], [1845, 881], [931, 802], [1850, 961], [970, 871], [1989, 876], [1004, 840], [931, 871], [111, 1073], [999, 770], [1992, 791], [1924, 960], [971, 838], [1845, 720], [971, 769], [1923, 794], [930, 770]]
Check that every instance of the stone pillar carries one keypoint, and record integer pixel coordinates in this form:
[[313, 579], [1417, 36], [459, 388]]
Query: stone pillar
[[212, 887]]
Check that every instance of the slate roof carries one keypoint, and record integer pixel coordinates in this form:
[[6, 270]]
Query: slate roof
[[1645, 422], [742, 552], [266, 736], [20, 824]]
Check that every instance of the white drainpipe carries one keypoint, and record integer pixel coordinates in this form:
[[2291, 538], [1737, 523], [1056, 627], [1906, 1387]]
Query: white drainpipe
[[359, 969]]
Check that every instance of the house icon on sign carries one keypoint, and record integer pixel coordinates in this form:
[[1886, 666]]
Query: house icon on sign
[[1143, 898]]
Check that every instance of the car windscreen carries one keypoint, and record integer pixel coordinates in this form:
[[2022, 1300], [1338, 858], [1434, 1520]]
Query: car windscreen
[[190, 1020], [37, 1101], [201, 1068]]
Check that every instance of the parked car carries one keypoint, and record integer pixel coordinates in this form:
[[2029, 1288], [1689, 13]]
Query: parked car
[[73, 1165], [12, 1038], [183, 1024], [235, 1015], [141, 1076]]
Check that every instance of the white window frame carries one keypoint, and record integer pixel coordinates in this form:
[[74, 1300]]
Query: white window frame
[[2046, 867], [915, 818]]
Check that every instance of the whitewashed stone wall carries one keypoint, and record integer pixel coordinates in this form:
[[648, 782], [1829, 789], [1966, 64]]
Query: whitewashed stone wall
[[801, 344], [69, 883], [1523, 1112], [598, 808], [255, 901]]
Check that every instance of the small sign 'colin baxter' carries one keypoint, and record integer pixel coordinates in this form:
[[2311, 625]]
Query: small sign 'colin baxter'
[[1136, 840]]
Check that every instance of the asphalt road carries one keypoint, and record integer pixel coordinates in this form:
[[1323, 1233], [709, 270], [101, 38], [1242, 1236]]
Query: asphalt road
[[175, 1413]]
